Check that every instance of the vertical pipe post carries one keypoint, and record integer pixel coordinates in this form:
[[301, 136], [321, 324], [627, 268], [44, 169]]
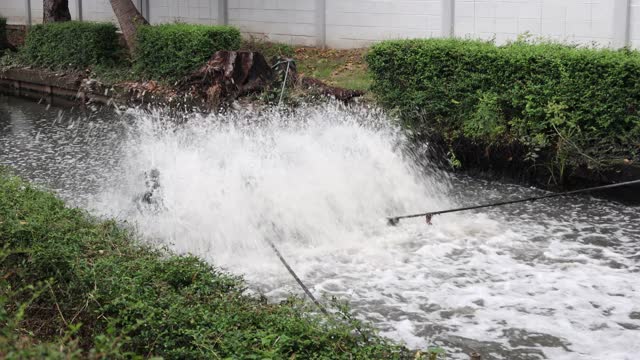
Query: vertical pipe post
[[27, 5], [621, 23], [143, 7], [79, 10], [321, 23], [146, 10], [448, 18], [223, 12]]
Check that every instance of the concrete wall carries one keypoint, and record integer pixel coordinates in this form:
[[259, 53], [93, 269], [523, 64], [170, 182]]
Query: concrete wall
[[356, 23], [582, 21], [289, 21], [634, 24], [96, 10], [197, 12], [16, 11]]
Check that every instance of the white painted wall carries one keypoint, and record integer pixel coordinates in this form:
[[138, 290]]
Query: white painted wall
[[356, 23], [582, 21], [289, 21], [634, 24], [190, 11], [95, 10], [14, 11]]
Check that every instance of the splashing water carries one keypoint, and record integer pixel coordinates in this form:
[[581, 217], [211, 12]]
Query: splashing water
[[317, 178], [555, 279]]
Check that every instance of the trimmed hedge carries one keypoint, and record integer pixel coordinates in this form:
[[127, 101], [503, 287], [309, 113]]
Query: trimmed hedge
[[171, 51], [565, 105], [71, 44]]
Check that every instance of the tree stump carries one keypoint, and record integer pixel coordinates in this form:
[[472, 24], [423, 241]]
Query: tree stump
[[228, 75]]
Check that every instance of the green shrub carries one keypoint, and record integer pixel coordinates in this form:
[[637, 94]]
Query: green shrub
[[76, 287], [575, 106], [171, 51], [71, 44]]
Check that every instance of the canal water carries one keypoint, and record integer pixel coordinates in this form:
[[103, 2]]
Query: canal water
[[555, 279]]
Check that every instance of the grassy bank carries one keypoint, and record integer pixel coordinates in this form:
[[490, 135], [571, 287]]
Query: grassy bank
[[165, 53], [78, 287], [168, 52]]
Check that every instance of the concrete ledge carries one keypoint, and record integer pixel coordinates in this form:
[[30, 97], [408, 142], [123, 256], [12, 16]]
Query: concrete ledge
[[53, 87]]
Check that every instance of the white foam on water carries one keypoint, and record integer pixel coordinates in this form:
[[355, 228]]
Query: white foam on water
[[321, 178], [321, 181]]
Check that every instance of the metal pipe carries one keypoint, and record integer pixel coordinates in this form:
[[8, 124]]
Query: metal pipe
[[223, 12], [621, 22], [321, 23], [79, 10], [448, 18], [147, 11], [28, 12], [393, 221]]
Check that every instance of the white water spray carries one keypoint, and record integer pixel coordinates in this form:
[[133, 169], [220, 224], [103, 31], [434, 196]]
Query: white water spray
[[315, 178]]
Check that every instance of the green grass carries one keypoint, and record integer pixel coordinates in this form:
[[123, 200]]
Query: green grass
[[354, 81], [79, 287], [341, 68], [320, 68], [117, 73]]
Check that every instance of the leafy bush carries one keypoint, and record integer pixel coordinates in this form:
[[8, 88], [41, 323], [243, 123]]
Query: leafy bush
[[71, 44], [573, 106], [76, 287], [174, 50]]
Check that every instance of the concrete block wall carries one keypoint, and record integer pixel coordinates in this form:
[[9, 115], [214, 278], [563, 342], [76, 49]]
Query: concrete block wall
[[189, 11], [288, 21], [16, 14], [581, 21], [96, 10], [634, 24], [357, 23], [14, 11]]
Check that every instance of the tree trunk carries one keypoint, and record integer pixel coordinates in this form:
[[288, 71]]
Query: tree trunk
[[56, 10], [227, 75], [129, 19]]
